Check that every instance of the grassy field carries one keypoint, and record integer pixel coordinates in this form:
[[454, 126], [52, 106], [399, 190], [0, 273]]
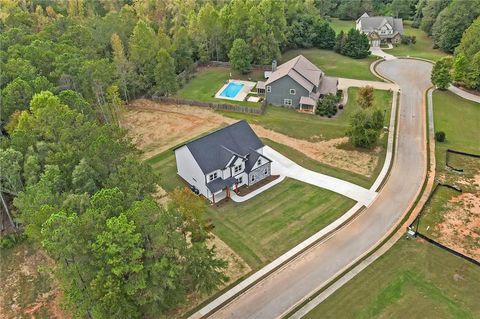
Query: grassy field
[[423, 48], [305, 126], [268, 225], [460, 120], [265, 226], [415, 279], [412, 280], [449, 211], [341, 25], [316, 166], [208, 81], [334, 64]]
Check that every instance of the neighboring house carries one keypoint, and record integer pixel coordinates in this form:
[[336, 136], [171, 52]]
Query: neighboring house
[[380, 29], [297, 83], [222, 161]]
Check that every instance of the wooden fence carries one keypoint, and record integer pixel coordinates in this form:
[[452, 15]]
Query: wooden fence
[[213, 105]]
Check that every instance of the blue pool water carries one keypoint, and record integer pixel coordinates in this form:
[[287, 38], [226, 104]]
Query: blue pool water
[[232, 89]]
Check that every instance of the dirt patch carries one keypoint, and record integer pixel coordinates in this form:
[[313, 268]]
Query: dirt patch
[[29, 289], [156, 127], [327, 152], [460, 229]]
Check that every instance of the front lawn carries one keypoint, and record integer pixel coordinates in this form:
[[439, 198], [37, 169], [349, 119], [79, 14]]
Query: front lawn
[[208, 80], [423, 48], [341, 25], [334, 64], [266, 226], [450, 217], [414, 279], [460, 120], [312, 127]]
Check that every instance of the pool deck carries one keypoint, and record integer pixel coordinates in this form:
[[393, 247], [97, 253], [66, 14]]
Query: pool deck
[[241, 95]]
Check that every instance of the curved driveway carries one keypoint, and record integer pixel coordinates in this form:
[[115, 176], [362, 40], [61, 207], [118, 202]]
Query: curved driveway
[[286, 287]]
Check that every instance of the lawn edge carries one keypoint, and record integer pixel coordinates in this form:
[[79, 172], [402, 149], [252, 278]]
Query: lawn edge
[[396, 232], [195, 313]]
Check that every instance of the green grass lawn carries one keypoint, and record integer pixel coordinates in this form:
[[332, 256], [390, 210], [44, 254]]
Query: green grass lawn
[[460, 120], [423, 48], [341, 25], [266, 226], [312, 127], [269, 224], [334, 64], [413, 279], [208, 81]]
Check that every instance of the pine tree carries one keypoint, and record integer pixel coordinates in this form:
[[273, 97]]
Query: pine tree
[[165, 77]]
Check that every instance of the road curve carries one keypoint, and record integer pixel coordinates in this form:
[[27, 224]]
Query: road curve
[[284, 288]]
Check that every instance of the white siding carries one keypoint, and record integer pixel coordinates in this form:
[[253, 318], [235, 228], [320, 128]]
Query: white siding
[[189, 170]]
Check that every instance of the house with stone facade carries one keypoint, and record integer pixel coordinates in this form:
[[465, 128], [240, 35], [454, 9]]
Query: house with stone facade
[[380, 29], [297, 83], [219, 163]]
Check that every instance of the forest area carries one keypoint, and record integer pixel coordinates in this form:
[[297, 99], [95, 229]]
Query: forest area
[[72, 180]]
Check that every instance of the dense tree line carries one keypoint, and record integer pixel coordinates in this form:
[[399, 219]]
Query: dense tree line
[[111, 50], [83, 195]]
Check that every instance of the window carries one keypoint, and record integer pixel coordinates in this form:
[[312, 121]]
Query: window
[[266, 171], [292, 92], [239, 180], [253, 178], [269, 89], [287, 102], [259, 161], [237, 168], [212, 176]]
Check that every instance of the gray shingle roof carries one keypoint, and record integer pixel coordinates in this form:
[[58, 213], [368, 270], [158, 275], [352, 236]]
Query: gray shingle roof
[[329, 85], [219, 184], [300, 70], [214, 151], [371, 24], [252, 159]]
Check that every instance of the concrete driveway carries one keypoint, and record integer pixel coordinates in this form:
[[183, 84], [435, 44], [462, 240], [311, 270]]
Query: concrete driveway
[[380, 53], [286, 287], [281, 165]]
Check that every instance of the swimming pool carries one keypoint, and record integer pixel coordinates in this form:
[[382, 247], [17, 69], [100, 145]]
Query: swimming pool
[[232, 89]]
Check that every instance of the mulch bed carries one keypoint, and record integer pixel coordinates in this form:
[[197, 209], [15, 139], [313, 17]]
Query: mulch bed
[[244, 190]]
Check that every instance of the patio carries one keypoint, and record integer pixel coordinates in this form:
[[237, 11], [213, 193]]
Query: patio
[[240, 95]]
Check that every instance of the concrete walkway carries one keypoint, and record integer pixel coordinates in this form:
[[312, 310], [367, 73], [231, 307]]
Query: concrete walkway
[[344, 84], [464, 94], [378, 52], [241, 199], [283, 166]]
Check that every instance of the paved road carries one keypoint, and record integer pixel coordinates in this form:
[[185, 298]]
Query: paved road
[[286, 287]]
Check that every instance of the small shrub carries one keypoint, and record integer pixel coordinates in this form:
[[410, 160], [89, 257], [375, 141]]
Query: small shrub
[[409, 39], [440, 136], [327, 106], [8, 241]]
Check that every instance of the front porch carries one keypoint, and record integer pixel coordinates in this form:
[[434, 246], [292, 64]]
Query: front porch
[[307, 105]]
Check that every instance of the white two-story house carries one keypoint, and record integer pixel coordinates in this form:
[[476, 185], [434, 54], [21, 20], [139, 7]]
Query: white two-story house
[[221, 162]]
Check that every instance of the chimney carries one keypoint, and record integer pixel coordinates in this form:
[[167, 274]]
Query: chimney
[[274, 65]]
